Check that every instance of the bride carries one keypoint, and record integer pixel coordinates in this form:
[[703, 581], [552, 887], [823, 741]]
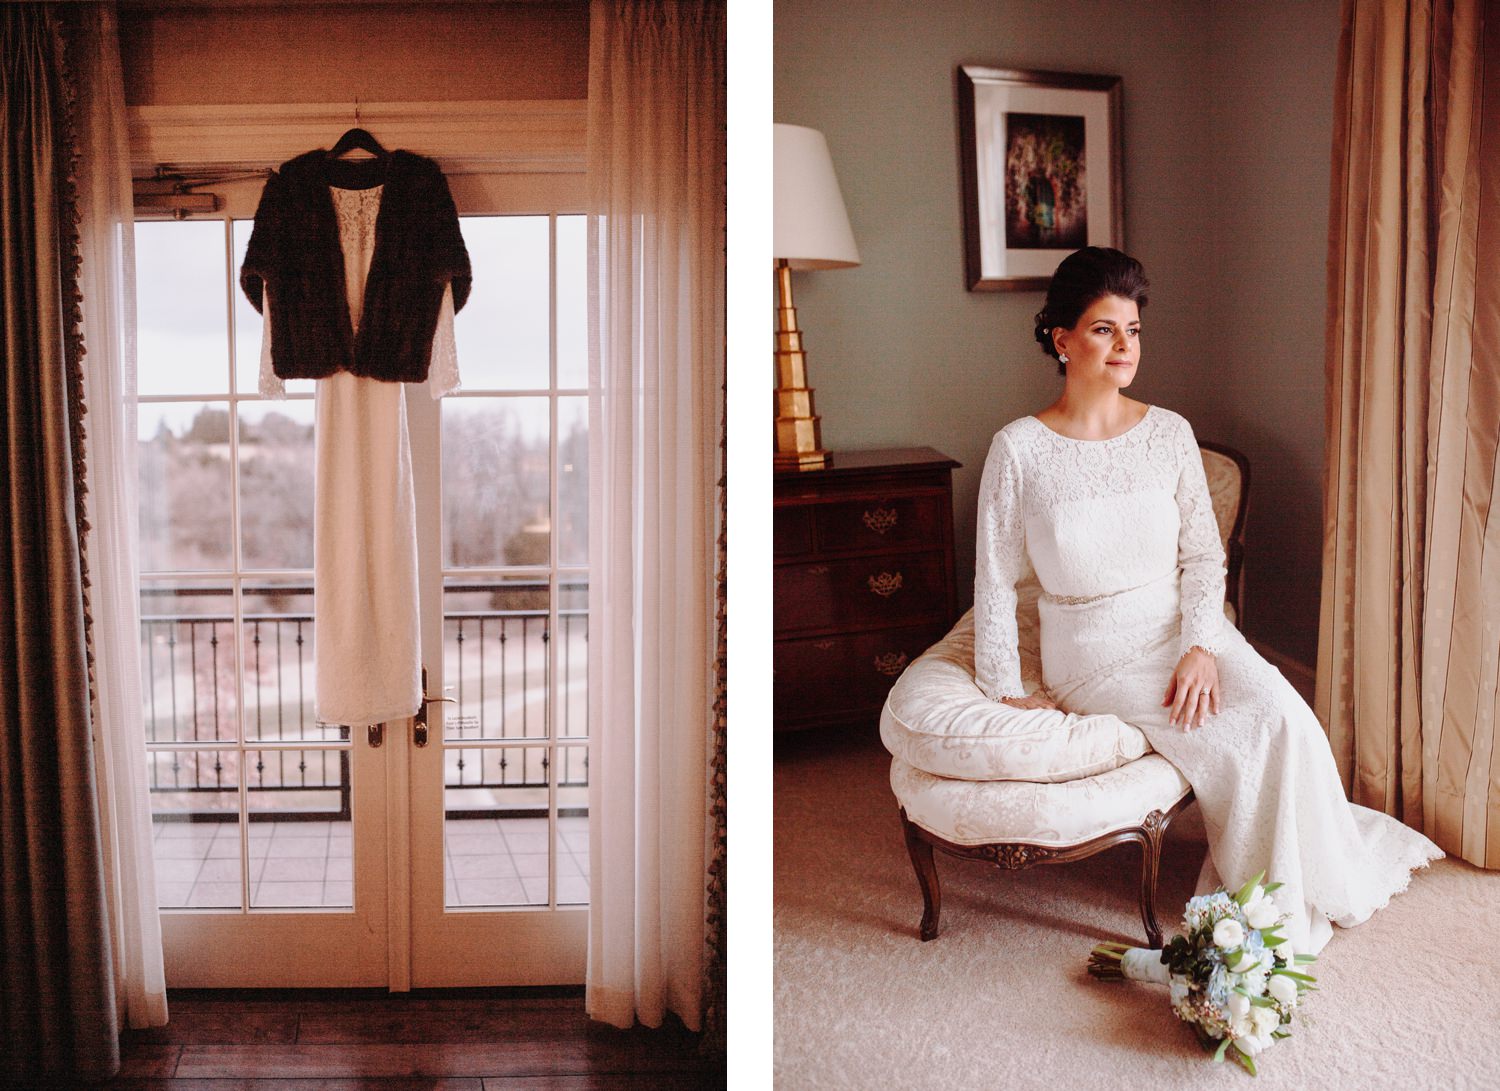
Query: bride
[[1106, 497]]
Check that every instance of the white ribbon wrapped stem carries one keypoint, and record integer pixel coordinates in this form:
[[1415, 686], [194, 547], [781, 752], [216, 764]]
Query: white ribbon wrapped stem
[[1144, 964]]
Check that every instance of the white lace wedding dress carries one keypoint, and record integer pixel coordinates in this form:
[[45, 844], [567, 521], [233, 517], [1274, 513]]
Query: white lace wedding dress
[[367, 648], [1122, 536]]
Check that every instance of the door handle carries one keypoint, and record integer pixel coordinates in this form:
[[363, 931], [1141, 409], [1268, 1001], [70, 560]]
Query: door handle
[[419, 721]]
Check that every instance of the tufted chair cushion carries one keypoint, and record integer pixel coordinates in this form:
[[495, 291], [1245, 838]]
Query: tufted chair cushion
[[969, 813]]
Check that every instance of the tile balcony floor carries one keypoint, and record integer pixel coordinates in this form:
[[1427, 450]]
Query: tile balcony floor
[[487, 861]]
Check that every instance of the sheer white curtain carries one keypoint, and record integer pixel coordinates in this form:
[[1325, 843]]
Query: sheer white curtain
[[107, 281], [656, 359]]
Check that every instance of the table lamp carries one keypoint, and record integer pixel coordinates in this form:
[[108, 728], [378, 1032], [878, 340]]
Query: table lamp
[[811, 232]]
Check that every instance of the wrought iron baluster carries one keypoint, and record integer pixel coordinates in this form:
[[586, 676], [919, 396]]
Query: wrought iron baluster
[[280, 688], [301, 690], [193, 668], [259, 693], [172, 667], [151, 674], [504, 715], [213, 643], [459, 655]]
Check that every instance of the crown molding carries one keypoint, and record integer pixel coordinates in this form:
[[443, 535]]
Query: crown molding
[[543, 136]]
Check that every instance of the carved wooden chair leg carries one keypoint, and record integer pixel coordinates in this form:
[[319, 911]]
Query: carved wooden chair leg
[[1154, 830], [922, 862]]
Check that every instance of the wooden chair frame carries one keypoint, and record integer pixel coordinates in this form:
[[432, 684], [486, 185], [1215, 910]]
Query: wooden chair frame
[[1234, 550], [1018, 855]]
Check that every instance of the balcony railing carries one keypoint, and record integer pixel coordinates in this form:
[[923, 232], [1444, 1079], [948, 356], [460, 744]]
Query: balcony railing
[[498, 665]]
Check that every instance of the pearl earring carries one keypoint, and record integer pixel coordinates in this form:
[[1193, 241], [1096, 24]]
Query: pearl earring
[[1062, 357]]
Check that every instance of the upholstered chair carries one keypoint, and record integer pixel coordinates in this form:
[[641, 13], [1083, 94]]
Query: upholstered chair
[[981, 780]]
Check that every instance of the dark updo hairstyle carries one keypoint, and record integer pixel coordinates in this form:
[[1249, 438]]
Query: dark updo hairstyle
[[1083, 277]]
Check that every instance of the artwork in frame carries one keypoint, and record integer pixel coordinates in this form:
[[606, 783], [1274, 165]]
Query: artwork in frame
[[1041, 172]]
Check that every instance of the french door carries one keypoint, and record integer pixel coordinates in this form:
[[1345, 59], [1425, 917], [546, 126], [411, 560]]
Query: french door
[[446, 850]]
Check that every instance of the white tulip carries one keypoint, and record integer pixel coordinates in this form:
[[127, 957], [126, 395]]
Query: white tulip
[[1262, 913], [1229, 933], [1239, 1006], [1287, 953], [1264, 1021], [1282, 989], [1239, 1027], [1244, 962], [1248, 1045]]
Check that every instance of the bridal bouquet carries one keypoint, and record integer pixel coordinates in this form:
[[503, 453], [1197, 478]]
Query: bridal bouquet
[[1234, 978]]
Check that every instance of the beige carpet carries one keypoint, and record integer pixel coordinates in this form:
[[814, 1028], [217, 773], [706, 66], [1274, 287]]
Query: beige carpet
[[1001, 1000]]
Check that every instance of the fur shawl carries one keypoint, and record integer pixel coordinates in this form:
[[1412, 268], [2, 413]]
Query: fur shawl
[[295, 254]]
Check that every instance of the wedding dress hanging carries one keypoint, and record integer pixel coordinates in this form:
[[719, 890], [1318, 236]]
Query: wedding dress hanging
[[367, 640]]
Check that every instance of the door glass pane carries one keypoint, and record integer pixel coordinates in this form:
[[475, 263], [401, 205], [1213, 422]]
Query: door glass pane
[[187, 662], [276, 484], [182, 337], [572, 480], [572, 842], [572, 303], [495, 482], [496, 663], [194, 812], [184, 486], [496, 828], [300, 819], [502, 332], [573, 656]]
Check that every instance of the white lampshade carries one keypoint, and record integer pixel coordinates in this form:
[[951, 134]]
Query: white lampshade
[[812, 228]]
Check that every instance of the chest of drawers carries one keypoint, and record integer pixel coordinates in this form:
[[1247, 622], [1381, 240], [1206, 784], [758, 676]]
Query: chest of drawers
[[864, 580]]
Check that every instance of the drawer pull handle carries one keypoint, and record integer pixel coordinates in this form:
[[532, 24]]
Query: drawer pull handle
[[891, 663], [885, 585], [823, 645], [881, 519]]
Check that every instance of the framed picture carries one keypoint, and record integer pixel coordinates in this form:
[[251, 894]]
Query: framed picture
[[1041, 172]]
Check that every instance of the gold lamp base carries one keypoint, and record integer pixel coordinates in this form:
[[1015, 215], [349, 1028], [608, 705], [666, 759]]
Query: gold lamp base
[[799, 438]]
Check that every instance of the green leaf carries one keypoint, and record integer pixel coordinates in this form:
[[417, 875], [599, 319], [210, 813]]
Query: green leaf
[[1244, 894], [1219, 1053], [1281, 1034], [1262, 1001], [1272, 886], [1305, 958], [1284, 972], [1249, 1064]]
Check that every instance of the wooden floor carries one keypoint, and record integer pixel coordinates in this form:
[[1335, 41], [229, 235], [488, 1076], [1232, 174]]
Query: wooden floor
[[438, 1040]]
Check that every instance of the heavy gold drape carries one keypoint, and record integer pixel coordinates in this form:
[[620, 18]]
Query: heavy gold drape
[[1410, 640]]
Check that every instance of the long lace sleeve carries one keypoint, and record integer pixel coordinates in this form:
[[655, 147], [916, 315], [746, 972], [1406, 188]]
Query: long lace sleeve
[[1200, 553], [271, 384], [442, 370], [999, 562]]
